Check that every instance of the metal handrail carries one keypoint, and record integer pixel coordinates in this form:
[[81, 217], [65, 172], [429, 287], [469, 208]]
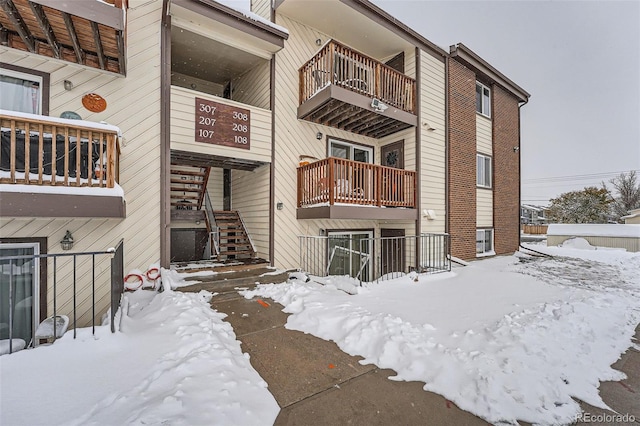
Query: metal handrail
[[253, 247], [214, 233], [117, 283]]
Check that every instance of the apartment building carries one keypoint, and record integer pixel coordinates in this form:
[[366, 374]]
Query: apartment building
[[209, 133]]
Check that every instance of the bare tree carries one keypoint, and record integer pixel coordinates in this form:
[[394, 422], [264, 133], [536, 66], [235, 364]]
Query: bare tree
[[626, 194]]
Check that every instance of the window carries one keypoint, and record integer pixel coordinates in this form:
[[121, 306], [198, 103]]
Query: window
[[349, 151], [483, 171], [484, 242], [21, 91], [483, 99]]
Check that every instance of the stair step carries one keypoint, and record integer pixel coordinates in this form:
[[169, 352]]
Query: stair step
[[185, 197], [188, 181], [235, 245], [173, 189], [188, 173]]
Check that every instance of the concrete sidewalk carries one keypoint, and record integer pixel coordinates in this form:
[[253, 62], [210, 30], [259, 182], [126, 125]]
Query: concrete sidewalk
[[315, 383]]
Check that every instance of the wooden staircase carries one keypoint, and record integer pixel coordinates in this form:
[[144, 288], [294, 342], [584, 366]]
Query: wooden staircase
[[234, 240], [188, 186]]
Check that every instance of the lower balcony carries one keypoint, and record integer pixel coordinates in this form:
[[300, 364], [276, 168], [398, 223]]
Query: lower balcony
[[335, 188], [53, 167]]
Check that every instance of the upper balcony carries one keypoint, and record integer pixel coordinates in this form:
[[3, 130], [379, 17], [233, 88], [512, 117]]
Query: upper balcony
[[342, 88], [53, 167], [86, 32], [335, 188]]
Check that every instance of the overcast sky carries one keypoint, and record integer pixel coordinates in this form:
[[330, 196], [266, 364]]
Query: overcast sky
[[579, 60]]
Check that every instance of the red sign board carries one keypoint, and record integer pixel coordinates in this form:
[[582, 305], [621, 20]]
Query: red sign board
[[221, 124]]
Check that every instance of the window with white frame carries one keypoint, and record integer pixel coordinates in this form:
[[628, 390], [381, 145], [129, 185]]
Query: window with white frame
[[483, 171], [21, 91], [483, 99], [484, 242], [349, 151]]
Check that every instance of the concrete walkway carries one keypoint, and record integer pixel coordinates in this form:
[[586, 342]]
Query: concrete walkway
[[315, 383]]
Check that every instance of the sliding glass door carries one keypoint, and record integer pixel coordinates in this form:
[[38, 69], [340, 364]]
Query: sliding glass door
[[349, 255], [19, 291]]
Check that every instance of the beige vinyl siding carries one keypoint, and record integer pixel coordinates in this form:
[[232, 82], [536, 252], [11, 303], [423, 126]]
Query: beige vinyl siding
[[250, 196], [183, 127], [484, 197], [410, 62], [484, 208], [483, 135], [215, 187], [296, 137], [189, 82], [432, 150], [262, 8], [133, 104], [253, 87]]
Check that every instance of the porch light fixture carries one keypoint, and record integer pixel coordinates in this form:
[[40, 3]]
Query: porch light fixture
[[67, 241], [279, 205], [319, 135], [68, 85], [318, 41], [516, 148]]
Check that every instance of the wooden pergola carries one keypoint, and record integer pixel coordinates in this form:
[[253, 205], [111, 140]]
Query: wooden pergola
[[85, 32]]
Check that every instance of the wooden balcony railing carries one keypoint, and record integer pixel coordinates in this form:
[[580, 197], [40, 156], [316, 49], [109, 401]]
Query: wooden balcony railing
[[347, 68], [57, 152], [336, 180]]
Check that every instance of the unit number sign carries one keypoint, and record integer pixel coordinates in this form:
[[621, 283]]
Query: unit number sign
[[221, 124]]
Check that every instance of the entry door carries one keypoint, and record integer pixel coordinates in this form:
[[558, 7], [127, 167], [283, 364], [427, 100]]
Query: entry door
[[19, 291], [393, 251], [393, 155]]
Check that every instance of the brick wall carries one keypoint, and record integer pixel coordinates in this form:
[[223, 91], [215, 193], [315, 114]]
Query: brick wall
[[462, 160], [506, 171]]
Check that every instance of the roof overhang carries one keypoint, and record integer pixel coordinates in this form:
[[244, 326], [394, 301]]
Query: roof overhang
[[465, 55], [86, 32], [359, 24], [228, 25]]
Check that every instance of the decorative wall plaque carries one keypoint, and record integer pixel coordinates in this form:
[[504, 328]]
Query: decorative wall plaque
[[221, 124], [94, 102]]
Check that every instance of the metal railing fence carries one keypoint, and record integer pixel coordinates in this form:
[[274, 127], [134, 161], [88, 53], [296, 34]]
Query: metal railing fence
[[374, 258], [77, 285]]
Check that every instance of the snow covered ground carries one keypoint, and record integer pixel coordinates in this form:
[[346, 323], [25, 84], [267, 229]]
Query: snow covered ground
[[503, 338]]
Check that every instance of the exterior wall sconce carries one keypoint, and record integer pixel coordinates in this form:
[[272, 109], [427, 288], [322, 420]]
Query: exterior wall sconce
[[68, 85], [67, 241], [516, 148], [279, 205], [318, 41], [319, 135]]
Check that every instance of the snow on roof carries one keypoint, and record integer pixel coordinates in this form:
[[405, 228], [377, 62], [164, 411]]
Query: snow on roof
[[595, 230], [254, 17]]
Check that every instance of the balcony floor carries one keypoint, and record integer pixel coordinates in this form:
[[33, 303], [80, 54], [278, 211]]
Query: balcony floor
[[36, 203], [346, 110], [356, 212]]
